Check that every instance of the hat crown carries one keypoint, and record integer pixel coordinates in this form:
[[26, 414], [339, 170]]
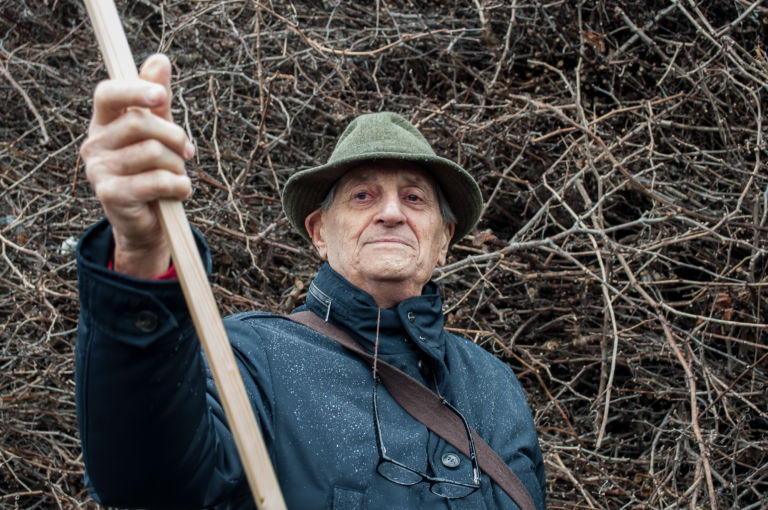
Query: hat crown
[[384, 132]]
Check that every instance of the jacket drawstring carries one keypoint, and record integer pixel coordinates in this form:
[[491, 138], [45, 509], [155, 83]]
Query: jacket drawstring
[[376, 344]]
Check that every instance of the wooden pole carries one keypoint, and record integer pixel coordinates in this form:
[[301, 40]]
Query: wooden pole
[[200, 300]]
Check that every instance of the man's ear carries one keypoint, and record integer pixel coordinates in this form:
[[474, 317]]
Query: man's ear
[[314, 223], [445, 241]]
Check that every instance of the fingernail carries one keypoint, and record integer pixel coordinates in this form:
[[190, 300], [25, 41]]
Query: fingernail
[[189, 150], [155, 95]]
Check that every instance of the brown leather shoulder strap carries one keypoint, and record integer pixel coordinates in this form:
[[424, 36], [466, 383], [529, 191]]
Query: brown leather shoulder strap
[[426, 407]]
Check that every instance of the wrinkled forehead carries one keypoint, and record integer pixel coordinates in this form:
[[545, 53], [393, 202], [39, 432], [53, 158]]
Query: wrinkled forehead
[[403, 172]]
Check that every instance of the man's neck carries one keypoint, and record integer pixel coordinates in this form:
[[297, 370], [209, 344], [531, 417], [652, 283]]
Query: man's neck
[[389, 294]]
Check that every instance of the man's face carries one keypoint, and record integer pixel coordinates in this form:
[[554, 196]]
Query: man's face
[[384, 230]]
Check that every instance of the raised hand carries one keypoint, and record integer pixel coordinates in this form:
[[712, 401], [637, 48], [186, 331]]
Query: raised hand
[[134, 155]]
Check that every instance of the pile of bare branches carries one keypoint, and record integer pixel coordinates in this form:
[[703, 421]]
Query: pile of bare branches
[[619, 266]]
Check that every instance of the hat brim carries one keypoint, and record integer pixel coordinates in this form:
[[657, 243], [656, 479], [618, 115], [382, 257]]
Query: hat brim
[[305, 190]]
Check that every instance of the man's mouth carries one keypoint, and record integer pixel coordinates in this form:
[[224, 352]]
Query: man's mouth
[[390, 240]]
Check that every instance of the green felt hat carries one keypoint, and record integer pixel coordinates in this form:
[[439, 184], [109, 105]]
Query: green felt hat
[[382, 136]]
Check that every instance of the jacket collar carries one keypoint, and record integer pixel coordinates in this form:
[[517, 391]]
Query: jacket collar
[[418, 319]]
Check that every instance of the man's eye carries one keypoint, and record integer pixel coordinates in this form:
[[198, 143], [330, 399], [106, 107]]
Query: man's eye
[[413, 198], [361, 195]]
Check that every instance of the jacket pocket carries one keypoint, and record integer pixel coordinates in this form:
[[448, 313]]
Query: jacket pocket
[[347, 499]]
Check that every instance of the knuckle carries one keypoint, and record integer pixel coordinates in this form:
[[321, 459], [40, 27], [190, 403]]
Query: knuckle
[[86, 149], [101, 89], [94, 170], [92, 147], [188, 190], [137, 119], [104, 191], [153, 149], [179, 168], [133, 119], [179, 136], [184, 185], [176, 186], [164, 186]]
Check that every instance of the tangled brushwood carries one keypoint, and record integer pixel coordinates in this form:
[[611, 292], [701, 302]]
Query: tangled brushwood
[[620, 265]]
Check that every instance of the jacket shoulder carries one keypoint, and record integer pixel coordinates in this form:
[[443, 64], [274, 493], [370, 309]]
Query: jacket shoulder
[[256, 323], [253, 314], [478, 356]]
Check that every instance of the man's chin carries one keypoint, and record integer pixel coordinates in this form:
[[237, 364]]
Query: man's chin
[[383, 269]]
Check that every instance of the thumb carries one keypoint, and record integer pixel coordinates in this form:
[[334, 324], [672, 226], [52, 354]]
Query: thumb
[[157, 69]]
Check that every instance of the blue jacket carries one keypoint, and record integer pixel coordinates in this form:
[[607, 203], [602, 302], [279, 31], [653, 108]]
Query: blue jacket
[[154, 433]]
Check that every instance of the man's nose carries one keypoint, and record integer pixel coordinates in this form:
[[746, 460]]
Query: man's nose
[[390, 210]]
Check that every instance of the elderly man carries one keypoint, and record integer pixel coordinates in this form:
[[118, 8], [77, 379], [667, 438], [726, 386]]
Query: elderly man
[[382, 213]]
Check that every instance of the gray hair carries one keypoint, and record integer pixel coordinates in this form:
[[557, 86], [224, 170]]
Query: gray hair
[[445, 208]]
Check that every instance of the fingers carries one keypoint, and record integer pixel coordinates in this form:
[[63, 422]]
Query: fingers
[[131, 195], [157, 69], [131, 160], [112, 97], [137, 173], [131, 130], [135, 126], [137, 142]]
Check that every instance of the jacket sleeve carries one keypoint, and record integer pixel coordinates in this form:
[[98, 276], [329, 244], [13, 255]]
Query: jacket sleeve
[[514, 436], [151, 426]]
